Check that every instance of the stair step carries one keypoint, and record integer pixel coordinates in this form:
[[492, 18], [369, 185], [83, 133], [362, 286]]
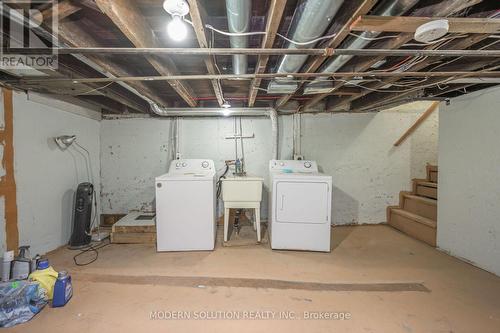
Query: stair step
[[427, 183], [424, 188], [418, 205], [416, 226], [417, 218], [432, 173]]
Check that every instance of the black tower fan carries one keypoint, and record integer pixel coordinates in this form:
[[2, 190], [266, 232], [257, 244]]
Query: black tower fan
[[81, 236]]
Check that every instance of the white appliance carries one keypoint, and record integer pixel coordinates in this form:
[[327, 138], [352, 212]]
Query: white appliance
[[300, 206], [185, 206]]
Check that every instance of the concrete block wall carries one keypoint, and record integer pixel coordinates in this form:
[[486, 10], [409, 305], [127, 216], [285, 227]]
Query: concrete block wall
[[356, 149]]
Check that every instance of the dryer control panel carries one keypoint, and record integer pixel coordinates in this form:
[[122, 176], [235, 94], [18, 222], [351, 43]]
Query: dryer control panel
[[184, 166], [293, 166]]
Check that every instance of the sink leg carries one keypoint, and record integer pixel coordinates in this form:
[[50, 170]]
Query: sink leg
[[226, 223], [257, 222]]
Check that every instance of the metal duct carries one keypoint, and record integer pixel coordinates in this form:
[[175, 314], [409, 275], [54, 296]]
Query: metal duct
[[310, 20], [219, 112], [238, 19], [210, 112], [386, 8]]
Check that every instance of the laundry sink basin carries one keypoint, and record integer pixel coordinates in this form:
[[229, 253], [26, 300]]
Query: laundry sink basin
[[242, 189]]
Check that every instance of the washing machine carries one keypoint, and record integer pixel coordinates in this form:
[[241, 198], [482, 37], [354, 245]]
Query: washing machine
[[300, 206], [185, 206]]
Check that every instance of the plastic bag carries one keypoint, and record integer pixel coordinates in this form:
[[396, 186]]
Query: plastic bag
[[19, 302]]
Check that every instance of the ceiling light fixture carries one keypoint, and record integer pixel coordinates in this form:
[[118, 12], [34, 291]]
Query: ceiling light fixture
[[432, 31], [176, 28]]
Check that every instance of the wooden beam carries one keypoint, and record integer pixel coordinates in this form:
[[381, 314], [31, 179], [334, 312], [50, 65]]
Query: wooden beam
[[71, 33], [417, 123], [443, 8], [8, 187], [63, 9], [312, 66], [374, 100], [411, 23], [198, 14], [274, 15], [456, 44], [126, 16]]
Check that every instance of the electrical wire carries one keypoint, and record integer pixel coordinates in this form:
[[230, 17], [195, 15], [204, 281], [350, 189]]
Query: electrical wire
[[90, 248], [96, 89], [219, 181], [256, 33]]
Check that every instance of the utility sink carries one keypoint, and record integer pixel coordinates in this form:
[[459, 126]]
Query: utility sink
[[242, 189]]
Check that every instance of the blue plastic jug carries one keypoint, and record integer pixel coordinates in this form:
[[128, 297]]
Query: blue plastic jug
[[63, 290]]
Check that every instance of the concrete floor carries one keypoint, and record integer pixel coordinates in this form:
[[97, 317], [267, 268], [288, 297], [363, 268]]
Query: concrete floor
[[461, 298]]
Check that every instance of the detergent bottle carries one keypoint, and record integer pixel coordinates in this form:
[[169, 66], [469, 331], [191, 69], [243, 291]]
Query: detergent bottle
[[63, 290], [46, 276]]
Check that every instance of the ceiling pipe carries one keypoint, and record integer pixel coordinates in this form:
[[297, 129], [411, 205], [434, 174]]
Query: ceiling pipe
[[310, 20], [209, 112], [221, 112], [328, 52], [238, 19], [386, 8]]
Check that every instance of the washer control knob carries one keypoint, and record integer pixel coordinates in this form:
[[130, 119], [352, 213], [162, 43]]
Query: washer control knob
[[178, 164], [184, 164], [307, 164], [204, 164], [282, 163]]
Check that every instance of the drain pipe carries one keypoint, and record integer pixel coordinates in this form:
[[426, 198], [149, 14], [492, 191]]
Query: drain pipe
[[219, 112], [273, 115]]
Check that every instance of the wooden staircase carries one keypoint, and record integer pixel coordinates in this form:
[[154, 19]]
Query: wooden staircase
[[416, 214]]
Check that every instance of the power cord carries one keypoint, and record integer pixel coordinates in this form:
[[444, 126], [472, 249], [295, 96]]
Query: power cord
[[90, 248]]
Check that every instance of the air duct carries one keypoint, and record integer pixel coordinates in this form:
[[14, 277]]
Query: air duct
[[238, 19], [310, 20], [386, 8], [219, 112]]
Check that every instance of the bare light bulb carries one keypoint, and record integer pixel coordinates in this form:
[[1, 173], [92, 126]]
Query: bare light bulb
[[177, 29]]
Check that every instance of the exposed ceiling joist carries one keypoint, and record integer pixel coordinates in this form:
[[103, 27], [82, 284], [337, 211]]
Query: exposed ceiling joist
[[312, 66], [443, 8], [411, 23], [457, 44], [276, 9], [63, 9], [198, 15], [71, 33], [125, 15], [376, 99]]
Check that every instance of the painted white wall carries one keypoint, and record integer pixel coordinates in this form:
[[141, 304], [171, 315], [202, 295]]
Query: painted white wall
[[368, 171], [355, 148], [135, 151], [47, 177], [469, 179]]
